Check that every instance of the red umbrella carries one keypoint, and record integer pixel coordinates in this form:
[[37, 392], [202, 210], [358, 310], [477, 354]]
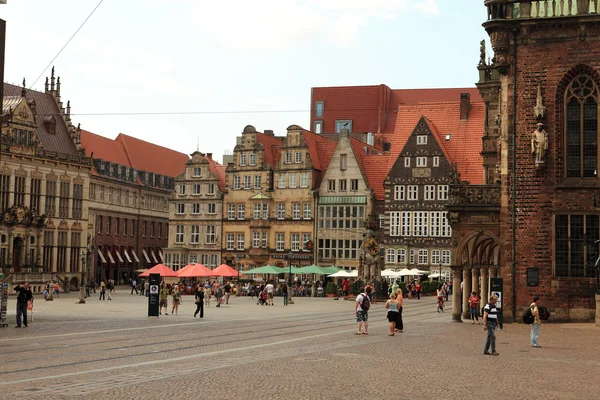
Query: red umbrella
[[180, 271], [194, 271], [224, 270], [161, 269]]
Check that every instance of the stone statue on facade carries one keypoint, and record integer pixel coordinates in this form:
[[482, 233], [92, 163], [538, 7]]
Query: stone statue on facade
[[370, 257], [482, 53], [539, 143]]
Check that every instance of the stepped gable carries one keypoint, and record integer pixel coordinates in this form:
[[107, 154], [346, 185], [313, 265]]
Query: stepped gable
[[464, 144], [46, 106]]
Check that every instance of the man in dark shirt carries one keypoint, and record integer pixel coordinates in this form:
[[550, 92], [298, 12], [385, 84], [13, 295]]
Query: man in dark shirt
[[227, 289], [23, 296]]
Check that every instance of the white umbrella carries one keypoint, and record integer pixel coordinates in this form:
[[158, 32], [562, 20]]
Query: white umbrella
[[404, 272], [390, 273], [434, 275], [417, 271], [342, 274]]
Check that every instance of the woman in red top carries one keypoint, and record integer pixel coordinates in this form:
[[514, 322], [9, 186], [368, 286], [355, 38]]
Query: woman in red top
[[473, 307]]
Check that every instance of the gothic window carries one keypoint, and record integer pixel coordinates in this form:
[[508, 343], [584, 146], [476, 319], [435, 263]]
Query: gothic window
[[581, 128]]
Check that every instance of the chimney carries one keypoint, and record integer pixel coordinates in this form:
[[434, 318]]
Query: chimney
[[345, 133], [269, 132], [465, 106], [209, 155]]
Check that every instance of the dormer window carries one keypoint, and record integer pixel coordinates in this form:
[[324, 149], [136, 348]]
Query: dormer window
[[421, 139], [288, 157], [243, 160], [197, 172], [252, 159], [50, 124]]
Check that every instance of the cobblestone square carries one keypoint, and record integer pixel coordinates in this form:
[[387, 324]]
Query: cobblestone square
[[110, 349]]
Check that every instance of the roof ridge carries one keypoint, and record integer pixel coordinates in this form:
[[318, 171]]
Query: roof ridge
[[119, 139]]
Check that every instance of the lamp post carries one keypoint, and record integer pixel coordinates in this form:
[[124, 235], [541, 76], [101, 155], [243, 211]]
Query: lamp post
[[82, 284], [290, 288]]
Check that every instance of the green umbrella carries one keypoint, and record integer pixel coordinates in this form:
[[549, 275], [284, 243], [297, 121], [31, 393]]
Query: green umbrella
[[266, 269], [333, 269], [313, 269]]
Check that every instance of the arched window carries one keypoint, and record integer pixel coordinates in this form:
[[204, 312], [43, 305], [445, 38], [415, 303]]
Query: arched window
[[581, 128]]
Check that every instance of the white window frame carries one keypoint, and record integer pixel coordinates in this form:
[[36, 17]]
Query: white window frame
[[265, 211], [343, 185], [298, 157], [181, 191], [354, 185], [395, 223], [256, 211], [405, 223], [280, 210], [230, 211], [446, 230], [257, 181], [411, 257], [443, 192], [399, 193], [196, 189], [211, 234], [307, 211], [318, 128], [295, 241], [421, 139], [197, 172], [237, 182], [196, 208], [390, 256], [180, 209], [412, 193], [281, 181], [265, 240], [429, 192], [230, 241], [211, 188], [436, 161], [423, 257], [445, 257], [240, 242], [435, 257], [195, 234], [247, 182], [303, 179], [421, 162], [179, 234], [296, 210], [241, 211], [331, 185], [288, 157], [382, 220], [252, 159], [255, 240], [243, 160], [293, 180], [280, 241], [407, 162], [401, 256]]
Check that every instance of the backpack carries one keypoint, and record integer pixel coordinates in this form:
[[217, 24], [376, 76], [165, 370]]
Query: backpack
[[366, 302], [528, 317], [544, 313]]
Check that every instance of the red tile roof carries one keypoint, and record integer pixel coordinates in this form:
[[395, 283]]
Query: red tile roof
[[374, 166], [464, 147], [217, 169], [134, 153], [372, 108], [272, 144], [320, 149], [146, 156]]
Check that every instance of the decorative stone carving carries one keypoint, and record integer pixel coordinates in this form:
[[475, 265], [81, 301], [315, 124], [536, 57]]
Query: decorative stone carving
[[482, 53], [539, 110], [22, 215], [539, 144], [370, 257]]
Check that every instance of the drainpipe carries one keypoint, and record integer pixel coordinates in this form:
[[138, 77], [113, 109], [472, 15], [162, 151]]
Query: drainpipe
[[514, 185]]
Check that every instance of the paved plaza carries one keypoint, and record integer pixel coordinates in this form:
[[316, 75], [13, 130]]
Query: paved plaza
[[112, 350]]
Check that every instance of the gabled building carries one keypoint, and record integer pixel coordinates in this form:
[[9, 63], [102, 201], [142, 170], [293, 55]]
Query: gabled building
[[346, 201], [131, 183], [44, 181], [433, 142], [195, 214], [269, 208]]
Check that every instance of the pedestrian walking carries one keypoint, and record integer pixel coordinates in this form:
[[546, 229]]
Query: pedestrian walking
[[110, 288], [56, 290], [490, 322], [474, 301], [24, 295], [440, 298], [284, 293], [400, 299], [392, 313], [218, 290], [164, 295], [535, 326], [176, 299], [134, 286], [270, 288], [418, 289], [227, 289], [199, 300], [142, 287], [361, 309], [102, 291]]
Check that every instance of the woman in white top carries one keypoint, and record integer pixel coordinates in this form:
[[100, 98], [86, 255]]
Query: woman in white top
[[392, 306]]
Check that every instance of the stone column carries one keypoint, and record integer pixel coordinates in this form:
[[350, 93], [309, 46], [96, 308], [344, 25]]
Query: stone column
[[38, 247], [475, 280], [456, 275], [68, 255], [54, 251], [484, 286], [25, 255], [466, 292]]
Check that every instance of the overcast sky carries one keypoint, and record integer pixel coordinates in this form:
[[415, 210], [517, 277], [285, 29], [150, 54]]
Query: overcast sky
[[225, 57]]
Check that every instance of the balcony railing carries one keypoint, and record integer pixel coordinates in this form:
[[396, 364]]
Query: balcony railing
[[527, 9]]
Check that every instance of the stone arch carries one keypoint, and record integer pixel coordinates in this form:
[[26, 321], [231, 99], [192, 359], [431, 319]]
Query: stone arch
[[479, 247]]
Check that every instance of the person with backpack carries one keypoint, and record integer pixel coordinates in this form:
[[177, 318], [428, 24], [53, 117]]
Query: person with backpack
[[535, 326], [361, 309], [490, 322]]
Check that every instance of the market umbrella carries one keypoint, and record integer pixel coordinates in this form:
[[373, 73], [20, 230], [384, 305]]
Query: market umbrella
[[390, 273], [312, 269], [345, 274], [160, 269], [224, 270], [404, 272], [417, 271], [333, 269], [180, 271], [266, 269], [195, 271]]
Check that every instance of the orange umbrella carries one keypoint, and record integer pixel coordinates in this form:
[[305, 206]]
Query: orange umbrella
[[180, 271], [224, 270], [161, 269], [194, 271]]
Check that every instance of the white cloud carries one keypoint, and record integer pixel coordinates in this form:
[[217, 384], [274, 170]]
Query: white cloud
[[276, 24], [428, 6]]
